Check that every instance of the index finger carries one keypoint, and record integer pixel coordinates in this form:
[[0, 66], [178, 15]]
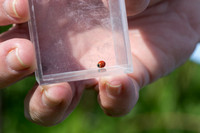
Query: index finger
[[13, 11]]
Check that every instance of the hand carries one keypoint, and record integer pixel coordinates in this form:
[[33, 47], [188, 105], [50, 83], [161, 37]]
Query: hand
[[163, 34]]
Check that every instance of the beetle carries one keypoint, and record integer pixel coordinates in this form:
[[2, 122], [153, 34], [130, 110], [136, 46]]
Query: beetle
[[101, 64]]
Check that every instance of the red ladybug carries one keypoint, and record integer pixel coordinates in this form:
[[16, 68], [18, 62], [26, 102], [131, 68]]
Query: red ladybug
[[101, 64]]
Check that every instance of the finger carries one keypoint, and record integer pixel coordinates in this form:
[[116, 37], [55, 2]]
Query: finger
[[134, 7], [118, 95], [153, 2], [17, 60], [47, 105], [13, 11]]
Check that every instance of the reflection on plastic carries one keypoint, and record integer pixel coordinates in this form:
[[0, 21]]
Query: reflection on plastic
[[102, 70]]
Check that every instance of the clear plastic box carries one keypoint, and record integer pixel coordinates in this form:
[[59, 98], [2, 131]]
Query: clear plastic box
[[72, 36]]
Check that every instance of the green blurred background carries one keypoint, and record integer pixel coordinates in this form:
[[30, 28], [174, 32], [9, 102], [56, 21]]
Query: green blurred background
[[170, 105]]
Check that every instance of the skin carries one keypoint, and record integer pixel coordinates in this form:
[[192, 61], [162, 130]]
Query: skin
[[163, 34]]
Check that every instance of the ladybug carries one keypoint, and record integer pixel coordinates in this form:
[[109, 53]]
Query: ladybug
[[101, 64]]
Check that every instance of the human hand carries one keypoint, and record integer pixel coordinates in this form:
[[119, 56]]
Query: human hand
[[162, 37]]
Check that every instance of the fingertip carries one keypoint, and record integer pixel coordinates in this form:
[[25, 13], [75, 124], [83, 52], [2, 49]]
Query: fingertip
[[117, 95], [55, 95], [122, 85], [20, 54], [110, 86], [46, 105], [17, 59], [21, 9], [16, 8]]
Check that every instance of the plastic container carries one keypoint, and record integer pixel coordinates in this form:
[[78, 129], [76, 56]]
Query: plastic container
[[72, 36]]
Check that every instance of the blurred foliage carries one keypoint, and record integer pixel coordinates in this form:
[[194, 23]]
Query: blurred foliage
[[4, 28], [169, 105]]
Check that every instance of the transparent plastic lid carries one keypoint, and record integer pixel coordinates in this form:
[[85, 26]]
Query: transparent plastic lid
[[79, 39]]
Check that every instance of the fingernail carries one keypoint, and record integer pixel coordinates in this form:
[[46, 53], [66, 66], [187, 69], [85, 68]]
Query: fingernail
[[14, 61], [10, 8], [113, 88], [48, 100]]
